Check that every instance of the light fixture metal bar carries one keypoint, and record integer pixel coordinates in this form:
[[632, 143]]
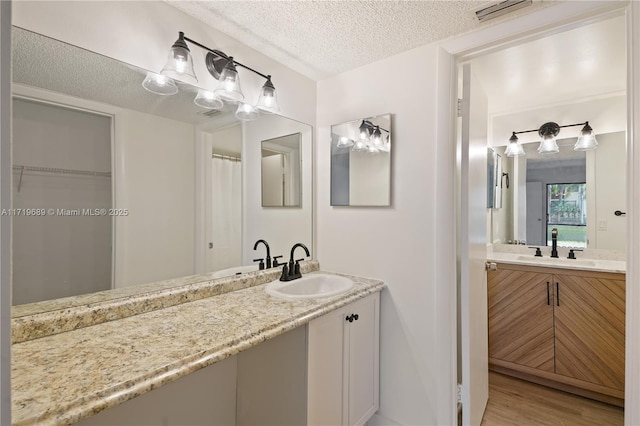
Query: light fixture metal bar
[[566, 125], [225, 56]]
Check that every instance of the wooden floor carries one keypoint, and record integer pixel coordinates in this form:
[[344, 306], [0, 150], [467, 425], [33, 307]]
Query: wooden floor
[[514, 402]]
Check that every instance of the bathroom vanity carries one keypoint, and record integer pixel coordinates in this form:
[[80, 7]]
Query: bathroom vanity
[[239, 356], [560, 324]]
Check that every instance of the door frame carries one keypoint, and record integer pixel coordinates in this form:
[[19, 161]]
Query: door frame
[[544, 22]]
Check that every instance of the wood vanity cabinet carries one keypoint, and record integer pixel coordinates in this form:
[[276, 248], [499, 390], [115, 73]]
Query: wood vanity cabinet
[[343, 365], [559, 327]]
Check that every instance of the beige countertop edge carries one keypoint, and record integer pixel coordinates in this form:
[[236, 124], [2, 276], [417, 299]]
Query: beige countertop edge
[[612, 266], [100, 400], [196, 287]]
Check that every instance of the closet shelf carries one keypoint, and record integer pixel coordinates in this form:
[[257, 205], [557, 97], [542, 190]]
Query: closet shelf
[[22, 168]]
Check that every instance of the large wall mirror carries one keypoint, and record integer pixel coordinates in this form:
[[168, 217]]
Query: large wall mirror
[[125, 187], [576, 192], [361, 162]]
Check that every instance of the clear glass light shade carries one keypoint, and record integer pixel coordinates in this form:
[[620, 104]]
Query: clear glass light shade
[[364, 132], [207, 99], [548, 145], [359, 146], [376, 140], [514, 149], [587, 139], [179, 65], [268, 100], [229, 84], [372, 149], [247, 112], [344, 142], [159, 84]]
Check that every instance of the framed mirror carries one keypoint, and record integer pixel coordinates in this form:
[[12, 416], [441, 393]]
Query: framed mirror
[[361, 162], [142, 173], [281, 178]]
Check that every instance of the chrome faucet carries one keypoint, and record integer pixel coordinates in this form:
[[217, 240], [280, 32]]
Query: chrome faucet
[[292, 270], [554, 242], [268, 259]]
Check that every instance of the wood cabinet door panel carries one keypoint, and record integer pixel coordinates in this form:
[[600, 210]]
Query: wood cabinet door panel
[[590, 329], [521, 318]]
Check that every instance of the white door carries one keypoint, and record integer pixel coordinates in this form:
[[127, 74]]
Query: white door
[[473, 250], [272, 181], [536, 214]]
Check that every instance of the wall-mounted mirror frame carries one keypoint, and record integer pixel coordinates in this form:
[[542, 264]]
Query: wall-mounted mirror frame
[[361, 162], [68, 75]]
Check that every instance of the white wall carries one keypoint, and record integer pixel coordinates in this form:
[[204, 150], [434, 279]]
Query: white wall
[[369, 178], [155, 180], [396, 244], [281, 227]]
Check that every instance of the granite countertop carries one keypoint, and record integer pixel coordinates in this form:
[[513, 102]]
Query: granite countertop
[[65, 377], [36, 320], [588, 264]]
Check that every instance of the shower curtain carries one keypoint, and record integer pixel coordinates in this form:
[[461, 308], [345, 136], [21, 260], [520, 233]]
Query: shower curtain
[[226, 214]]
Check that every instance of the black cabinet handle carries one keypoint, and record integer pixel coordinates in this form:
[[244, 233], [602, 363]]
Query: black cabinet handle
[[548, 294], [558, 293], [352, 317], [619, 213]]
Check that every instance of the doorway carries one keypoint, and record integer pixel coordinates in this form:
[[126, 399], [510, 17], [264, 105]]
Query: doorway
[[495, 129]]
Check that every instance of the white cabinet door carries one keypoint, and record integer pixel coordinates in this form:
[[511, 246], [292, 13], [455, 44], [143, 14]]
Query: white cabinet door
[[325, 370], [343, 365], [363, 358]]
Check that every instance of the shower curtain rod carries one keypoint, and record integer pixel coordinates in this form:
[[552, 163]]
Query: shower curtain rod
[[226, 157]]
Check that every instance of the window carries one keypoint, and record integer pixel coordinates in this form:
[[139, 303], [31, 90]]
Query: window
[[567, 212]]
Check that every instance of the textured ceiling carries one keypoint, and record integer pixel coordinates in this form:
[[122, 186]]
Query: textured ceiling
[[50, 64], [324, 38]]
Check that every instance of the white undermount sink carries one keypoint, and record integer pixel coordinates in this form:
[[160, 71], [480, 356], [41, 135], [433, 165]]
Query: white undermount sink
[[563, 261], [311, 286]]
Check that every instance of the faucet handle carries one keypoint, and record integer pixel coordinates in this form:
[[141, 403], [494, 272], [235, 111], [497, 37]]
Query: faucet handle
[[261, 264], [538, 251], [572, 254], [285, 273], [275, 261]]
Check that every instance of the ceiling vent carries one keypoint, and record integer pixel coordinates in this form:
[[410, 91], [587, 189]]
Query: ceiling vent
[[211, 112], [502, 8]]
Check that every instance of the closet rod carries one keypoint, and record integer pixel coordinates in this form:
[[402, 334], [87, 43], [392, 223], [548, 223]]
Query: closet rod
[[22, 169], [226, 157]]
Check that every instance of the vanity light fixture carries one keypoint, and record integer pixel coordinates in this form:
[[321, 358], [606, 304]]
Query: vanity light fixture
[[548, 145], [179, 66], [370, 139]]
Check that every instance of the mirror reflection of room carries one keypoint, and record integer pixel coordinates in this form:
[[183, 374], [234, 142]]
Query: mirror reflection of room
[[281, 163], [186, 179], [361, 162]]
